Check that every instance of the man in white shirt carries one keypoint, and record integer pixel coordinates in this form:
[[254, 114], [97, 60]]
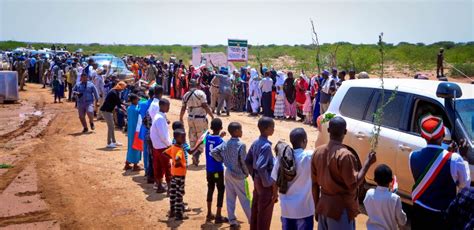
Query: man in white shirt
[[160, 140], [297, 206], [383, 206], [266, 85], [155, 104], [328, 88]]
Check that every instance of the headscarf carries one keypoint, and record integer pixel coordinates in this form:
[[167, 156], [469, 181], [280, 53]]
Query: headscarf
[[253, 74], [432, 127], [289, 89], [280, 79], [253, 83], [121, 85]]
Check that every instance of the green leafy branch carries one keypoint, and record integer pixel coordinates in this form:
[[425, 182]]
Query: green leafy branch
[[379, 113], [328, 117]]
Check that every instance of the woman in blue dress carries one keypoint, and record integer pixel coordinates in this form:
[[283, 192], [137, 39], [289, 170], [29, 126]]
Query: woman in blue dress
[[133, 156]]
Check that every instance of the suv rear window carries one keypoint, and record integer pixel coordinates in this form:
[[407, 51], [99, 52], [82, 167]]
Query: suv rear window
[[355, 102]]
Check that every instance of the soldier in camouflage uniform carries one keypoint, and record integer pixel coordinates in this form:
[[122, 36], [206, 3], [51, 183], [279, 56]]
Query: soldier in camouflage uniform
[[196, 103], [46, 66], [20, 67]]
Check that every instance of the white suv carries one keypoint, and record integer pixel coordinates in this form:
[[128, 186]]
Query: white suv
[[357, 100]]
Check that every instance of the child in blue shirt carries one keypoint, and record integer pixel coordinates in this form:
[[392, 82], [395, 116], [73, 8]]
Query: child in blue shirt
[[214, 172]]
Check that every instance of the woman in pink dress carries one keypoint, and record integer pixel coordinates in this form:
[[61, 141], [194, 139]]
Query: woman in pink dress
[[301, 88]]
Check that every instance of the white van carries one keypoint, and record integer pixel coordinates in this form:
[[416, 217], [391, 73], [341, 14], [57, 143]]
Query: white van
[[357, 100]]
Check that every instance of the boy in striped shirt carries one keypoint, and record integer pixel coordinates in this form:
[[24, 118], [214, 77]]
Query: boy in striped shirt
[[232, 153]]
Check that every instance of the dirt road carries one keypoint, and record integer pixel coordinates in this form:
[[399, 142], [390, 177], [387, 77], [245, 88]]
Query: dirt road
[[62, 178]]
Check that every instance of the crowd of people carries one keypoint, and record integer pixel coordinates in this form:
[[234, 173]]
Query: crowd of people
[[310, 185]]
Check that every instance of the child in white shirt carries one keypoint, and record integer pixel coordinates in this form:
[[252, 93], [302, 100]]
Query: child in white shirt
[[384, 207]]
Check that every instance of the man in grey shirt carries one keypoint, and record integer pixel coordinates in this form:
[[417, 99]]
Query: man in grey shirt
[[86, 94], [225, 90]]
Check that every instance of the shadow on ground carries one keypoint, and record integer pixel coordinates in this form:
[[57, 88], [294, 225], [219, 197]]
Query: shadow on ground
[[104, 149], [148, 188]]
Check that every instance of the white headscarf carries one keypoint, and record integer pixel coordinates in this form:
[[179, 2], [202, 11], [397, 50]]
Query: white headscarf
[[254, 90], [253, 73], [280, 80]]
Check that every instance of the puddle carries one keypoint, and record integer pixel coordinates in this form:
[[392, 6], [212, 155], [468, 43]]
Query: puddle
[[36, 113]]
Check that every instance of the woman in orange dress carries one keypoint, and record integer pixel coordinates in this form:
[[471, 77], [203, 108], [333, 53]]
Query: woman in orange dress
[[134, 69], [178, 83]]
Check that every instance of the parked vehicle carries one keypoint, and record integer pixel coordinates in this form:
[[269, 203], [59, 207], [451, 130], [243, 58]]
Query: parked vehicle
[[104, 54], [118, 66], [4, 62], [357, 100]]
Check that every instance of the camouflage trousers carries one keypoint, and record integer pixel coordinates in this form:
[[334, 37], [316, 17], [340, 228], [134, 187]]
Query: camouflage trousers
[[197, 126]]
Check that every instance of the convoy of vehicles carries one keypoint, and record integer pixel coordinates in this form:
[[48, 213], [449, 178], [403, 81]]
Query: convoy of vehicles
[[118, 66]]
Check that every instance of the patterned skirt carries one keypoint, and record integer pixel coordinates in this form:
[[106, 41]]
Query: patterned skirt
[[279, 107]]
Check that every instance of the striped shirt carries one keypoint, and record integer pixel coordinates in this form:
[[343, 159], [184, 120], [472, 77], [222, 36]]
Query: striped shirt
[[232, 153]]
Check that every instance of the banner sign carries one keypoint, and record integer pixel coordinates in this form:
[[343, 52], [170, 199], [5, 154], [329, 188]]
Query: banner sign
[[196, 55], [237, 50]]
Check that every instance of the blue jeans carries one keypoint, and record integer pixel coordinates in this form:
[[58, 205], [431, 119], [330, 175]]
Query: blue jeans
[[306, 223], [120, 119]]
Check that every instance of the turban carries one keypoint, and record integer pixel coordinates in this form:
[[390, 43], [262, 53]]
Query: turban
[[264, 69], [432, 127]]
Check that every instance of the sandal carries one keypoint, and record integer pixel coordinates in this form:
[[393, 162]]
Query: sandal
[[221, 219], [127, 167], [136, 168], [209, 218]]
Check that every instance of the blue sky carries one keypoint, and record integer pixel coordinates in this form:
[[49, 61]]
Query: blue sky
[[195, 22]]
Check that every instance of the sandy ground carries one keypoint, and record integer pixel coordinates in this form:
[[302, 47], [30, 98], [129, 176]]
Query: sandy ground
[[74, 182]]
